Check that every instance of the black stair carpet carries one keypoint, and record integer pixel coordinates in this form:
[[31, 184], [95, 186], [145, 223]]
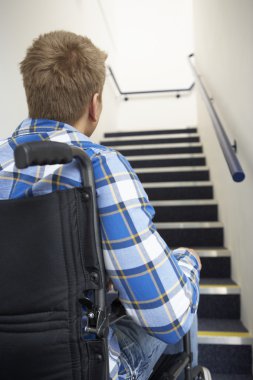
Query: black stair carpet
[[173, 169]]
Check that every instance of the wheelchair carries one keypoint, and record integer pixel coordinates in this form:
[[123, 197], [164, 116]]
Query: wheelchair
[[51, 274]]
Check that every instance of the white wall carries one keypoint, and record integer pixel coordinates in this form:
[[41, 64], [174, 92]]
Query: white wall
[[224, 58], [147, 41], [20, 23], [152, 40]]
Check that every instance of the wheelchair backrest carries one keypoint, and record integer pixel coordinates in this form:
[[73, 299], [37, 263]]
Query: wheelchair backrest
[[48, 265]]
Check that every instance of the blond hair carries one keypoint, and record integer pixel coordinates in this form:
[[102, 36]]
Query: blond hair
[[61, 73]]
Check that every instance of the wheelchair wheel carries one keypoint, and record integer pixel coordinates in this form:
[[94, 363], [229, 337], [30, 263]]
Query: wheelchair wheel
[[204, 374], [207, 374]]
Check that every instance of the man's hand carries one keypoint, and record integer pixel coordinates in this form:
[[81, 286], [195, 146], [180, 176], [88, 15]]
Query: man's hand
[[109, 285], [194, 253]]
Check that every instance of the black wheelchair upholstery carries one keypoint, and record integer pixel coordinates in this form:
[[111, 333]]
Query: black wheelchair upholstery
[[51, 269]]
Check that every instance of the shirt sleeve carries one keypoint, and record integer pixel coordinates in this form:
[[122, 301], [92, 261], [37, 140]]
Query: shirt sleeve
[[159, 288]]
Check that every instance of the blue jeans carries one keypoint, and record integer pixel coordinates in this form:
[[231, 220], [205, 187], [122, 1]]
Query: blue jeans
[[140, 351]]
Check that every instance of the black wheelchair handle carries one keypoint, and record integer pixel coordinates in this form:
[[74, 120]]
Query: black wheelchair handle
[[42, 153]]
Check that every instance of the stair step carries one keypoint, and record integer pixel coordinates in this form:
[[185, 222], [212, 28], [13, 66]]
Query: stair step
[[216, 263], [154, 149], [162, 139], [219, 267], [185, 210], [185, 173], [224, 337], [224, 346], [227, 358], [220, 299], [165, 160], [151, 132], [192, 234], [218, 286], [178, 190], [220, 326], [222, 376]]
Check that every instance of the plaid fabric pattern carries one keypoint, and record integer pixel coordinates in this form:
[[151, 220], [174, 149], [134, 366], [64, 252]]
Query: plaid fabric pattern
[[159, 288]]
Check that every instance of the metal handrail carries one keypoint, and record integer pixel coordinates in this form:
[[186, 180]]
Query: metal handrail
[[177, 91], [234, 165]]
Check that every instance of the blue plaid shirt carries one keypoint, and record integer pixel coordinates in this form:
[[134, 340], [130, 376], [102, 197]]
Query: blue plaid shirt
[[159, 288]]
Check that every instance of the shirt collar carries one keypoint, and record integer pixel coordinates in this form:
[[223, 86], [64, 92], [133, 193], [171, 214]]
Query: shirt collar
[[44, 125]]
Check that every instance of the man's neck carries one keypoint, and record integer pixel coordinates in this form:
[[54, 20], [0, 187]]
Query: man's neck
[[83, 125]]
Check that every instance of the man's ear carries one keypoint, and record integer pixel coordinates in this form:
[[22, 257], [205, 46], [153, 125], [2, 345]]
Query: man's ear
[[95, 108]]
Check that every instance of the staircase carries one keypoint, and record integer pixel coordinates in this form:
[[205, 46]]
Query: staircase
[[172, 167]]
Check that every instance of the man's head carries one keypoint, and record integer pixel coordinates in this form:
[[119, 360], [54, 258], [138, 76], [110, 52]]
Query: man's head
[[63, 75]]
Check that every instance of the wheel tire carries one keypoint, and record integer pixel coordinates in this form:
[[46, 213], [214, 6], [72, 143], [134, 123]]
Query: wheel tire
[[207, 374]]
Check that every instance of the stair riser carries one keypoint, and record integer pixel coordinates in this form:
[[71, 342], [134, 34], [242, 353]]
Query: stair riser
[[176, 193], [164, 140], [200, 175], [216, 267], [186, 213], [228, 359], [198, 161], [221, 306], [152, 151], [153, 132], [193, 237]]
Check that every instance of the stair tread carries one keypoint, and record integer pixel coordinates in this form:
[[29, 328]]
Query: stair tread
[[172, 169], [154, 141], [148, 137], [221, 325], [213, 252], [176, 184], [185, 225], [151, 132], [226, 334], [232, 338], [218, 286], [164, 156], [210, 252], [157, 146], [217, 376], [224, 337], [218, 282], [184, 202]]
